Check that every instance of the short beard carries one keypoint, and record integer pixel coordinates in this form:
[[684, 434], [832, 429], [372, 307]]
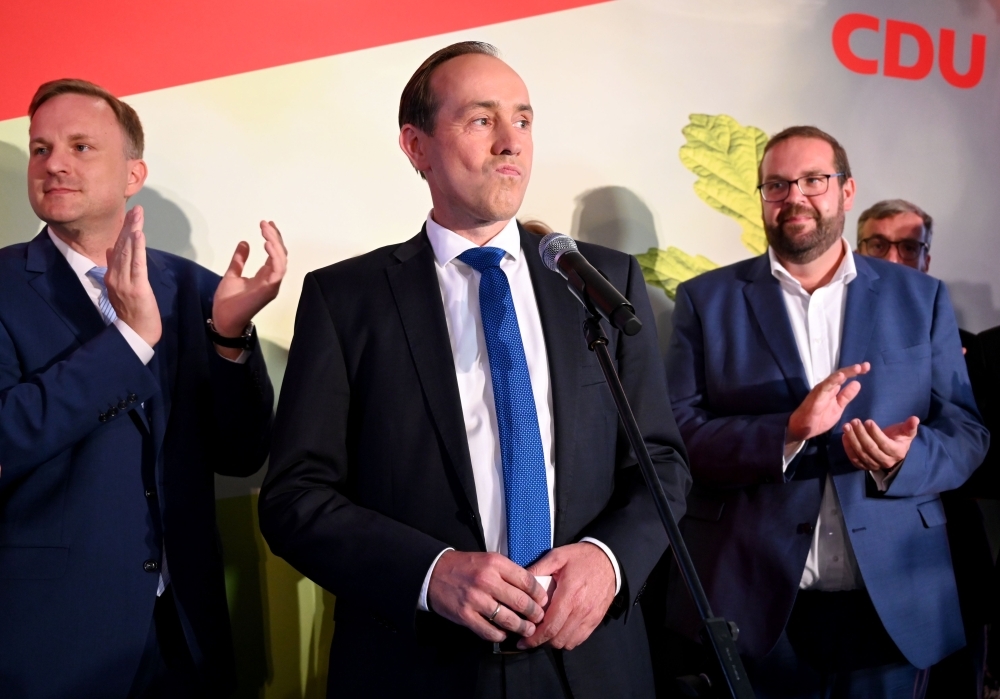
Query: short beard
[[807, 248]]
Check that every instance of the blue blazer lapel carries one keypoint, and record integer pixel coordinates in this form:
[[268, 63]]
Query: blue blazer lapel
[[767, 305], [859, 318], [164, 362], [417, 295], [562, 318], [57, 283]]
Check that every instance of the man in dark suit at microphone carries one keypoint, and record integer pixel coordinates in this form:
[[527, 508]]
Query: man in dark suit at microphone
[[444, 435]]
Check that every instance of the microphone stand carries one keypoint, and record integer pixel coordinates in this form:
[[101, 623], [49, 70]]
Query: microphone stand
[[716, 632]]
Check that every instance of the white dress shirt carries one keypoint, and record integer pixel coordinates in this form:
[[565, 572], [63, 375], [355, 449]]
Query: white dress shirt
[[818, 322], [459, 284], [82, 264]]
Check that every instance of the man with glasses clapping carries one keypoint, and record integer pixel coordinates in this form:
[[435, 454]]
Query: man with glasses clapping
[[824, 403]]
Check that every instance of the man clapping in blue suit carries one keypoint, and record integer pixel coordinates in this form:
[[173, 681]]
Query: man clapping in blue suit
[[127, 377], [825, 404]]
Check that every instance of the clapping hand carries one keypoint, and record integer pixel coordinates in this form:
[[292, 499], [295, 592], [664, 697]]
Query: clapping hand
[[873, 449], [127, 281], [239, 298], [824, 405]]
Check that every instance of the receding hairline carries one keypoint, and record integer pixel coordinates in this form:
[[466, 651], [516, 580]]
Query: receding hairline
[[833, 153], [440, 70]]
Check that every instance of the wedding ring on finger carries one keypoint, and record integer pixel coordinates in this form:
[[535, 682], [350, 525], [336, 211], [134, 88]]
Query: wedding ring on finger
[[494, 614]]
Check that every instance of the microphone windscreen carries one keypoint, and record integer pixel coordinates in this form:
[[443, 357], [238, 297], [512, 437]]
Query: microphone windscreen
[[552, 246]]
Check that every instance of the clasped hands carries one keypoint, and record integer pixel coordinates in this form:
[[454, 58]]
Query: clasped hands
[[868, 446], [466, 588], [237, 298]]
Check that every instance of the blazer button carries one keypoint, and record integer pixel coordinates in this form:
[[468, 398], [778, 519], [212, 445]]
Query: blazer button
[[150, 492], [102, 417], [132, 398], [122, 405], [150, 566], [112, 412]]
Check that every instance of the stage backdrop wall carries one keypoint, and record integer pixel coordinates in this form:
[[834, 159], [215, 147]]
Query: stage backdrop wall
[[650, 117]]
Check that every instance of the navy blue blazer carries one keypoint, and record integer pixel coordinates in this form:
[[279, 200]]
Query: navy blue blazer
[[92, 483], [735, 376]]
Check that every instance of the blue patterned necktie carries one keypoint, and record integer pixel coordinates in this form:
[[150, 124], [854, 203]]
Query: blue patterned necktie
[[525, 490], [97, 274]]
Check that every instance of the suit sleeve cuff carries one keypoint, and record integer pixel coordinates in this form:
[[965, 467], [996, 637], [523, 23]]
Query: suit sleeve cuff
[[611, 556], [142, 350], [422, 602]]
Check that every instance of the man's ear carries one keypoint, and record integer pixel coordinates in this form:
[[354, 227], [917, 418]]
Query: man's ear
[[413, 143], [848, 193], [927, 263], [137, 172]]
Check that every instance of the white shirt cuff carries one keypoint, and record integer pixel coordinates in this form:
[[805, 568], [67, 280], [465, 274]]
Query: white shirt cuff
[[883, 479], [422, 602], [242, 359], [614, 561], [791, 451], [142, 350]]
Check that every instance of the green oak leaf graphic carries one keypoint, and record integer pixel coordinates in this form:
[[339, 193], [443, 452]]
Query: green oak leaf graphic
[[724, 155], [668, 268]]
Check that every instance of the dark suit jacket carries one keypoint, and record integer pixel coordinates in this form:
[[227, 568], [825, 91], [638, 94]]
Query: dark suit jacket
[[92, 484], [370, 475], [735, 377], [971, 553]]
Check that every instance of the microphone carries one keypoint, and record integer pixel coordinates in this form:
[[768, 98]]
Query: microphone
[[560, 254]]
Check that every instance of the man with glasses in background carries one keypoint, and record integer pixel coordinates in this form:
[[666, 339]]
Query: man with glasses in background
[[899, 231], [821, 425], [896, 231]]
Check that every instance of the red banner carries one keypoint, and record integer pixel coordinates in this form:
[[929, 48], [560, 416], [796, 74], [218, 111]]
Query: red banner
[[132, 47]]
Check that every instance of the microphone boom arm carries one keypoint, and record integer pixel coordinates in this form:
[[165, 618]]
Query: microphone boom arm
[[730, 678]]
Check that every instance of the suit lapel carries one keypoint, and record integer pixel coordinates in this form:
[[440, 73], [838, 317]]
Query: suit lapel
[[417, 294], [562, 326], [164, 362], [58, 285], [859, 318], [763, 295]]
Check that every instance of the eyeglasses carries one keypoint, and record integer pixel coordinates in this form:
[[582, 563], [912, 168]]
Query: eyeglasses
[[810, 186], [908, 250]]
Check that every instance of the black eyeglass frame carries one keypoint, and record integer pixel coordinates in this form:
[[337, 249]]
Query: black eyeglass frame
[[760, 187], [922, 246]]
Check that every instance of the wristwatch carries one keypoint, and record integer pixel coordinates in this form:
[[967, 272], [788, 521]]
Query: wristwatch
[[243, 342]]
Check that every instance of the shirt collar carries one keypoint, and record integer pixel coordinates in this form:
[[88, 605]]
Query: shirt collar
[[448, 245], [80, 263], [845, 274]]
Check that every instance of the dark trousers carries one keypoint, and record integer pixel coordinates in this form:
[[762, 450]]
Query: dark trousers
[[835, 647], [166, 670], [537, 674]]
